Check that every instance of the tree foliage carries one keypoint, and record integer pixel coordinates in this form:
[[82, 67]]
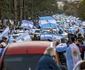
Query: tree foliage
[[81, 10], [71, 8], [30, 8], [3, 8]]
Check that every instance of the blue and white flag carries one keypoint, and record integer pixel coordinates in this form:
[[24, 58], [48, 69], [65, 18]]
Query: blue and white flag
[[46, 36], [10, 40], [71, 30], [1, 51], [25, 37], [5, 32], [47, 21], [27, 24], [57, 36], [50, 37], [72, 56], [61, 47]]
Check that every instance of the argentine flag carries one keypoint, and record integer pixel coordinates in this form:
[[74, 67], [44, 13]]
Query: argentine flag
[[5, 32], [71, 30], [1, 51], [23, 38], [27, 24], [47, 21], [72, 56], [61, 47]]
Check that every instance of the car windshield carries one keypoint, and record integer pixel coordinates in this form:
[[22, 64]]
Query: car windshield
[[37, 31], [47, 32], [21, 62], [15, 36]]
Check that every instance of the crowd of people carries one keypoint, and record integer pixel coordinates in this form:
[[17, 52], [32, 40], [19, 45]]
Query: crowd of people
[[73, 53]]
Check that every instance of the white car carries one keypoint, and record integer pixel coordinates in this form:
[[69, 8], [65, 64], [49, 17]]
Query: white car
[[65, 35], [36, 31]]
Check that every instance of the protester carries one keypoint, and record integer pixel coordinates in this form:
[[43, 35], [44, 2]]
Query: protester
[[35, 37], [60, 31], [84, 38], [3, 43], [0, 44], [68, 43], [57, 42], [4, 39], [80, 36], [72, 55], [79, 42], [47, 61]]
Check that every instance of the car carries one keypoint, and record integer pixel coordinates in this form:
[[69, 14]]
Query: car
[[50, 34], [23, 56], [36, 31]]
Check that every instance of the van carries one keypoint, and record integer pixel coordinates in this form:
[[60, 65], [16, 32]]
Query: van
[[23, 56]]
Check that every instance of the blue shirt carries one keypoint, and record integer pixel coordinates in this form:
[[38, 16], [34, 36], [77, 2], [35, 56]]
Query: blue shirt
[[47, 63]]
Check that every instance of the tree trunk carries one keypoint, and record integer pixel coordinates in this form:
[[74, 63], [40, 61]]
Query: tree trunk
[[15, 11], [21, 6]]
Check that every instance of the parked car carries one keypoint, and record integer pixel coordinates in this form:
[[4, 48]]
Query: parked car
[[23, 56]]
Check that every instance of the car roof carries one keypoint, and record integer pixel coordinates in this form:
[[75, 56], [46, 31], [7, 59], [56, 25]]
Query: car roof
[[32, 47]]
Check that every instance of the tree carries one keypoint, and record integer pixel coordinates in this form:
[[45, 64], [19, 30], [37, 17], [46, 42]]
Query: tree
[[71, 8], [81, 10], [3, 9], [30, 8]]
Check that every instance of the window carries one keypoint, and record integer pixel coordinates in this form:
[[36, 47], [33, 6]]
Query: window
[[21, 62], [37, 31]]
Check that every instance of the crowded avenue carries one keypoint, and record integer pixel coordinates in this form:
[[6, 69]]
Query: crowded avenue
[[66, 34]]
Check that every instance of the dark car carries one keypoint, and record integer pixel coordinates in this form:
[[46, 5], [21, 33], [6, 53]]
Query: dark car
[[23, 56]]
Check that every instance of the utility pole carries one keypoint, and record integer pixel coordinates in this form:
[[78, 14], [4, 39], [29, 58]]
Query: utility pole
[[15, 11]]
